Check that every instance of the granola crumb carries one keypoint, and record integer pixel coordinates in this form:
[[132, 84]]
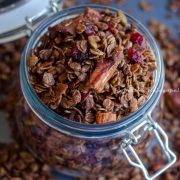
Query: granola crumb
[[145, 6]]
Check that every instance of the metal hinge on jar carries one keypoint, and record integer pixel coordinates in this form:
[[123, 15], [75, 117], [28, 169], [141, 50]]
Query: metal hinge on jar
[[127, 146], [30, 21]]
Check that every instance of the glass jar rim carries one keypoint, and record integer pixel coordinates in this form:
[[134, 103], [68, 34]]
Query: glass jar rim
[[75, 128]]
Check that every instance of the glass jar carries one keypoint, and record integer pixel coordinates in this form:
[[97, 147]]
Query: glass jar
[[82, 149]]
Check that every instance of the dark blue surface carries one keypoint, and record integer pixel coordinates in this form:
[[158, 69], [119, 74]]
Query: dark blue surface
[[159, 12]]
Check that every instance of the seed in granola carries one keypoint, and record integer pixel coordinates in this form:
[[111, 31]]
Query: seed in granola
[[134, 56], [48, 79], [93, 41], [122, 17]]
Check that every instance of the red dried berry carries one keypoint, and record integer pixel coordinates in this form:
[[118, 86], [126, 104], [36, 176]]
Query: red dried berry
[[84, 96], [137, 38], [111, 28], [134, 56], [75, 52], [78, 55], [89, 29]]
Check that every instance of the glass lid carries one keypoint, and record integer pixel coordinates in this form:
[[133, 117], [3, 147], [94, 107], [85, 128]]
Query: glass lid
[[19, 17]]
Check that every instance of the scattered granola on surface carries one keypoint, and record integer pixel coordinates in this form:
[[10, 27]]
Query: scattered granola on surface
[[91, 58], [17, 163], [145, 6]]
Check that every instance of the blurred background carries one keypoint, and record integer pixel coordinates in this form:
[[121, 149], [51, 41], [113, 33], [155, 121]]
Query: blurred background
[[162, 18]]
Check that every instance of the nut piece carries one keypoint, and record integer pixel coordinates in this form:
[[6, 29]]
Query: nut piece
[[122, 17], [102, 118], [48, 79], [93, 41], [104, 71], [32, 61]]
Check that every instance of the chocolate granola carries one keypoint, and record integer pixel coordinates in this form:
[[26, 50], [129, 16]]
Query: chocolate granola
[[170, 55], [17, 163], [94, 68]]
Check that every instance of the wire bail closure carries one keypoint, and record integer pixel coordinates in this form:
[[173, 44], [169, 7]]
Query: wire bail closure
[[149, 125], [30, 21]]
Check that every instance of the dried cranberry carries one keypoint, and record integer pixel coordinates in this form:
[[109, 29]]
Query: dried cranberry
[[111, 28], [119, 88], [78, 55], [75, 52], [108, 59], [89, 29], [134, 56], [84, 96], [137, 38]]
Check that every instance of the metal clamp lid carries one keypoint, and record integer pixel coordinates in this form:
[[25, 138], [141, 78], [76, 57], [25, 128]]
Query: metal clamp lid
[[20, 21], [148, 125]]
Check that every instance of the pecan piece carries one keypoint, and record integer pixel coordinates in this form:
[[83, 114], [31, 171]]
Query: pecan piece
[[104, 71], [102, 118]]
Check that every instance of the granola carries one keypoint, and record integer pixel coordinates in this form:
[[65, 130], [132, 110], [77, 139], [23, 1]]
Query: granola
[[10, 55], [97, 54], [17, 163]]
